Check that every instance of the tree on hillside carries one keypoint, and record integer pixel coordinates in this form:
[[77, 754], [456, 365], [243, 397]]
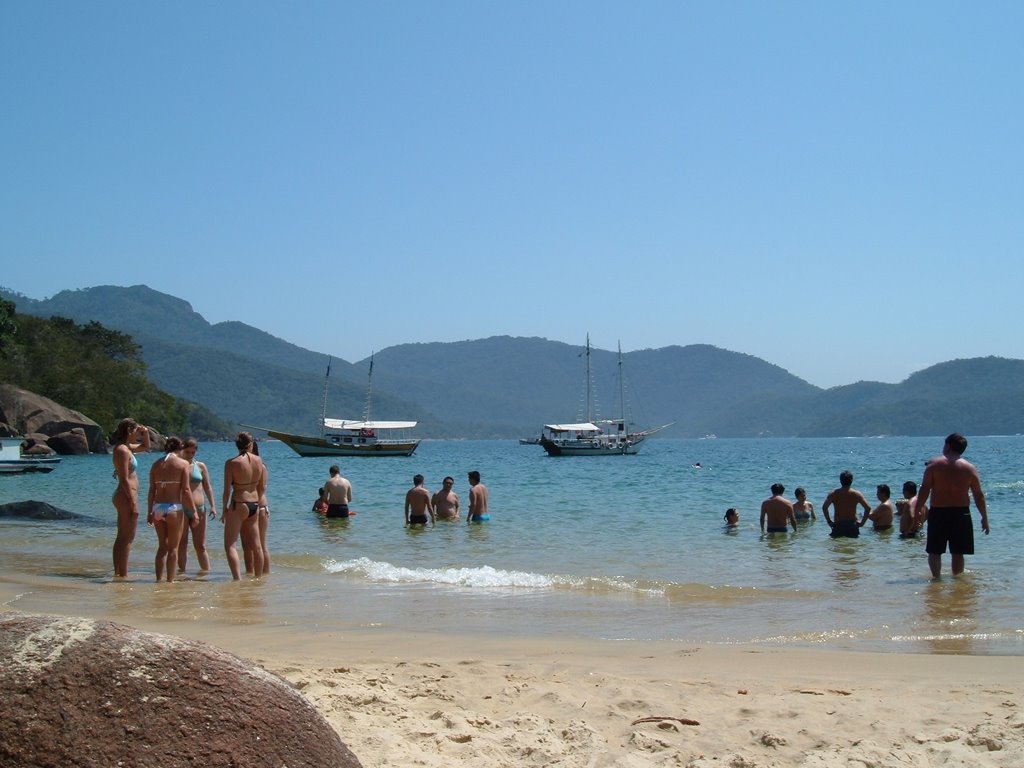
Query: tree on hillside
[[7, 327]]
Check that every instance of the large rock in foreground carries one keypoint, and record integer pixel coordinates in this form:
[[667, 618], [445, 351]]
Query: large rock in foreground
[[25, 412], [79, 692]]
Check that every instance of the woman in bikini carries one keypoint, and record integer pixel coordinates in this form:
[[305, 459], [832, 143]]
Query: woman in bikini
[[202, 489], [245, 483], [169, 496], [129, 438], [803, 510], [263, 523]]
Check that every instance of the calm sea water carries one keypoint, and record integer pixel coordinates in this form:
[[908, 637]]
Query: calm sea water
[[606, 547]]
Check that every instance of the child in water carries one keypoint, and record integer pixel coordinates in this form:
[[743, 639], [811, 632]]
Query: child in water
[[320, 506], [732, 518]]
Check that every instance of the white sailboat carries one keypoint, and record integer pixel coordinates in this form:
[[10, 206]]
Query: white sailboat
[[352, 437], [595, 437]]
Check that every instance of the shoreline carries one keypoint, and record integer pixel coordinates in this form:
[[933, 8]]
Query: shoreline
[[401, 698]]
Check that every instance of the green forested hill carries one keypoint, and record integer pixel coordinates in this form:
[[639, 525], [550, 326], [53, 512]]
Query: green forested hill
[[507, 386], [94, 370]]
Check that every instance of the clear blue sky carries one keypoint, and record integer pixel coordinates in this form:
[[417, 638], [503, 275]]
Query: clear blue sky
[[837, 188]]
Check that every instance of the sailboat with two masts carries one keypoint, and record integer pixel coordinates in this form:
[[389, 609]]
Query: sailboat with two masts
[[353, 437], [595, 437]]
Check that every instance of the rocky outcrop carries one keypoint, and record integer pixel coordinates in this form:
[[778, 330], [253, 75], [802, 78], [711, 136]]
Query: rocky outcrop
[[71, 443], [80, 692], [35, 445], [23, 412], [37, 510]]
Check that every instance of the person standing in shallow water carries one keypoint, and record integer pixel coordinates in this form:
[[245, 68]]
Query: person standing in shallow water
[[418, 504], [803, 510], [202, 491], [245, 482], [128, 439], [909, 524], [478, 511], [262, 523], [845, 500], [169, 497], [777, 511], [446, 501], [881, 517], [337, 492], [951, 482]]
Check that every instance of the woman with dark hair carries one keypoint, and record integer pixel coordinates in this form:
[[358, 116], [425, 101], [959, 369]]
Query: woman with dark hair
[[201, 489], [129, 438], [245, 483], [169, 497]]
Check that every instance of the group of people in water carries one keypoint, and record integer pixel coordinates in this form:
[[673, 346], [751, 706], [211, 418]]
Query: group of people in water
[[421, 506], [949, 480], [181, 500], [778, 513]]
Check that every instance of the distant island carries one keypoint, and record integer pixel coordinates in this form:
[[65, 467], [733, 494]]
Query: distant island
[[503, 387]]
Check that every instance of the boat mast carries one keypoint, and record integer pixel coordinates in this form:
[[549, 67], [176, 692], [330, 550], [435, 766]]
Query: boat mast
[[622, 394], [323, 407], [590, 391], [369, 391]]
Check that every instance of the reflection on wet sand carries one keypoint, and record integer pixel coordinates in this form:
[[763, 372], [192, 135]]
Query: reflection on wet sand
[[951, 614]]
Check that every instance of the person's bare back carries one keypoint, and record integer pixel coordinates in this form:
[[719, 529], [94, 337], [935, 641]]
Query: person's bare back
[[418, 504], [777, 511]]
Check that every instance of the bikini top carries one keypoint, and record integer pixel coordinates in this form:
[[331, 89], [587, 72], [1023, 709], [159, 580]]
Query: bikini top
[[197, 474], [163, 483], [131, 467]]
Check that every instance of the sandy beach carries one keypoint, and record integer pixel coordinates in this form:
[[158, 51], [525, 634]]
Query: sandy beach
[[640, 705], [426, 699]]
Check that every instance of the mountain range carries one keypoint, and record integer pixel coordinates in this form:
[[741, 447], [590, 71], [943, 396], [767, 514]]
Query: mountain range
[[510, 386]]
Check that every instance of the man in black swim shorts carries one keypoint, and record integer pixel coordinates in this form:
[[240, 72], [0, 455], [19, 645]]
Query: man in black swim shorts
[[951, 482], [337, 492], [845, 499], [777, 511], [418, 504]]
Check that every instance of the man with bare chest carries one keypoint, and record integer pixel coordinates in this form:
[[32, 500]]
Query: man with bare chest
[[951, 482], [845, 500]]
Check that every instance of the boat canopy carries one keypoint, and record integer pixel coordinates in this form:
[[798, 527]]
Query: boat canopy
[[584, 427], [353, 424]]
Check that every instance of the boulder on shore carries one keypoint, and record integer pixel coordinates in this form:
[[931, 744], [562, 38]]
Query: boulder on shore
[[82, 692], [36, 445], [25, 412], [37, 510], [71, 443]]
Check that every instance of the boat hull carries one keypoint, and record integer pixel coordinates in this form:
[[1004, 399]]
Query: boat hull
[[591, 447], [316, 446]]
